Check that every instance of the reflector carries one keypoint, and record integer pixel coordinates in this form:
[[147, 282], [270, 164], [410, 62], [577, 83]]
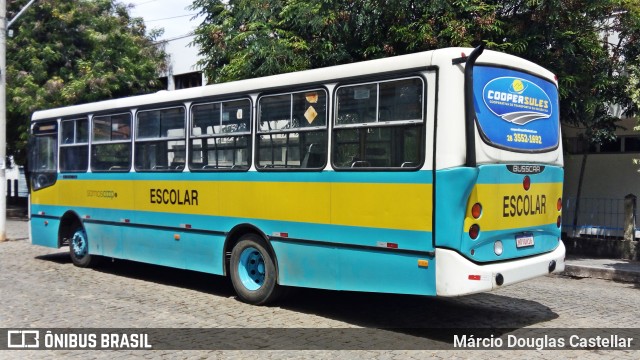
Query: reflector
[[474, 231]]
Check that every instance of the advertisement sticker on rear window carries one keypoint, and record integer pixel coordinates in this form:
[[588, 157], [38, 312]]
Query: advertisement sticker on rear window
[[516, 110]]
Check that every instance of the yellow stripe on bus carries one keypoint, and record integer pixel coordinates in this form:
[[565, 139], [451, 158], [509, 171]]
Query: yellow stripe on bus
[[392, 206], [508, 206]]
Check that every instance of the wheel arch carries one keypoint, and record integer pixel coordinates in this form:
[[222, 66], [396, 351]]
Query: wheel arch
[[68, 225], [234, 236]]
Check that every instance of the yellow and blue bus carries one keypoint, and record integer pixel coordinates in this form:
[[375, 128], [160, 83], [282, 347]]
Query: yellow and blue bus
[[434, 173]]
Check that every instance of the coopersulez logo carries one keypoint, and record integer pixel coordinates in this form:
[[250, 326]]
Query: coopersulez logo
[[515, 100]]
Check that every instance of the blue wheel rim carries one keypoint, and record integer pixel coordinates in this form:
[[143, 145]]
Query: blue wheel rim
[[79, 244], [251, 269]]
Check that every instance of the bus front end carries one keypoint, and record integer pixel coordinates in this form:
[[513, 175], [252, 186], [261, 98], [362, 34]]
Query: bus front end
[[498, 217]]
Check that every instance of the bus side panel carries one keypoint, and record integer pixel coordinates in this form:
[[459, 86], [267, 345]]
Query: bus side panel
[[202, 252], [307, 265], [44, 231], [386, 272], [154, 246], [148, 242], [45, 218], [352, 269], [104, 239]]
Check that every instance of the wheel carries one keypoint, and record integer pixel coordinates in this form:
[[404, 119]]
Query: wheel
[[79, 249], [253, 271]]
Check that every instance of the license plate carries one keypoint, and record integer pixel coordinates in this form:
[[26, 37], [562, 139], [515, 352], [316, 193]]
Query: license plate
[[524, 240]]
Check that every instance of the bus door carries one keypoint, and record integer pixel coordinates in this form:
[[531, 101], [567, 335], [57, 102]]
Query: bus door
[[41, 175]]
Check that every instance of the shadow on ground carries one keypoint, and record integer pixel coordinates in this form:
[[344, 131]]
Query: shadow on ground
[[429, 318]]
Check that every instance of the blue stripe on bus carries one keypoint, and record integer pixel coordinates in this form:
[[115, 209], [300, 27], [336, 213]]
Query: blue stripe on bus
[[498, 174], [220, 225], [405, 177]]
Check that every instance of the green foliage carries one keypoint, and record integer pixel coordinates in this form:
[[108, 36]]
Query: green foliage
[[244, 39], [588, 44], [73, 52]]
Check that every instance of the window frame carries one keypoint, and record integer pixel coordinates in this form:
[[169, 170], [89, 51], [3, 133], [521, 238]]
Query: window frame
[[421, 124], [109, 142], [307, 129], [75, 144], [136, 140], [206, 136]]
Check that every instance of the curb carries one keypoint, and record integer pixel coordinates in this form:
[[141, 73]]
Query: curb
[[585, 271]]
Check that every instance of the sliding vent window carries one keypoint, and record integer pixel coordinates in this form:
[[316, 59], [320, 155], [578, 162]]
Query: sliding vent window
[[380, 125], [74, 147], [220, 136], [292, 131], [160, 140], [111, 143]]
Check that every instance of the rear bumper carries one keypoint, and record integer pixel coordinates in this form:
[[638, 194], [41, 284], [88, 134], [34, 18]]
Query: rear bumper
[[455, 275]]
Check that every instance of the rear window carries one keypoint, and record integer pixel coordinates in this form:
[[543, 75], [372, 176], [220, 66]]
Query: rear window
[[515, 110]]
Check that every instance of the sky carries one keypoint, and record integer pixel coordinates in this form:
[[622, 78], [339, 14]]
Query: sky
[[171, 15]]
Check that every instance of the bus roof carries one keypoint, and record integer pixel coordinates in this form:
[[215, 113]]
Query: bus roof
[[320, 75]]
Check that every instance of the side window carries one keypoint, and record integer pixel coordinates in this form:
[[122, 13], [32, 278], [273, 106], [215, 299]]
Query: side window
[[111, 143], [220, 136], [292, 131], [74, 145], [160, 140], [379, 125]]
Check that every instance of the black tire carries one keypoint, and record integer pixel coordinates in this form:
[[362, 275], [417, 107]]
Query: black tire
[[79, 249], [253, 271]]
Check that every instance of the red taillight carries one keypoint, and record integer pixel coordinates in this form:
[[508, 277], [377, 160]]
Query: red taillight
[[559, 221], [559, 206], [526, 183], [474, 231], [476, 210]]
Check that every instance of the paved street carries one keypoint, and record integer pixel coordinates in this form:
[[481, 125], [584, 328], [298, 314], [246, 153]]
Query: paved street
[[41, 288]]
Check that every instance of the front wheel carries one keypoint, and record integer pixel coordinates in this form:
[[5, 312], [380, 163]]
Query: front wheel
[[79, 249], [253, 271]]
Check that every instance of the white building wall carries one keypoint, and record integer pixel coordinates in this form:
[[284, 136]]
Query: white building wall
[[182, 59], [608, 177], [605, 176]]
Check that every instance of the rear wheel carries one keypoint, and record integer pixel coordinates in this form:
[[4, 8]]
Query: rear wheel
[[253, 271], [79, 248]]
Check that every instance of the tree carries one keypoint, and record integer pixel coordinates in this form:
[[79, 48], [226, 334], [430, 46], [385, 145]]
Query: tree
[[588, 44], [246, 38], [73, 52]]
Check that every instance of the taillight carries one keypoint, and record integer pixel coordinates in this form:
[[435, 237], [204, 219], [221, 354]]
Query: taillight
[[526, 183], [474, 231], [559, 221], [559, 206], [476, 210]]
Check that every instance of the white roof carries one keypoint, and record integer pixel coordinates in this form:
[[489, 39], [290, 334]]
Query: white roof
[[321, 75]]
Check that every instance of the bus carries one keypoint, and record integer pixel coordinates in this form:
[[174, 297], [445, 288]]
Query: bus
[[433, 173]]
